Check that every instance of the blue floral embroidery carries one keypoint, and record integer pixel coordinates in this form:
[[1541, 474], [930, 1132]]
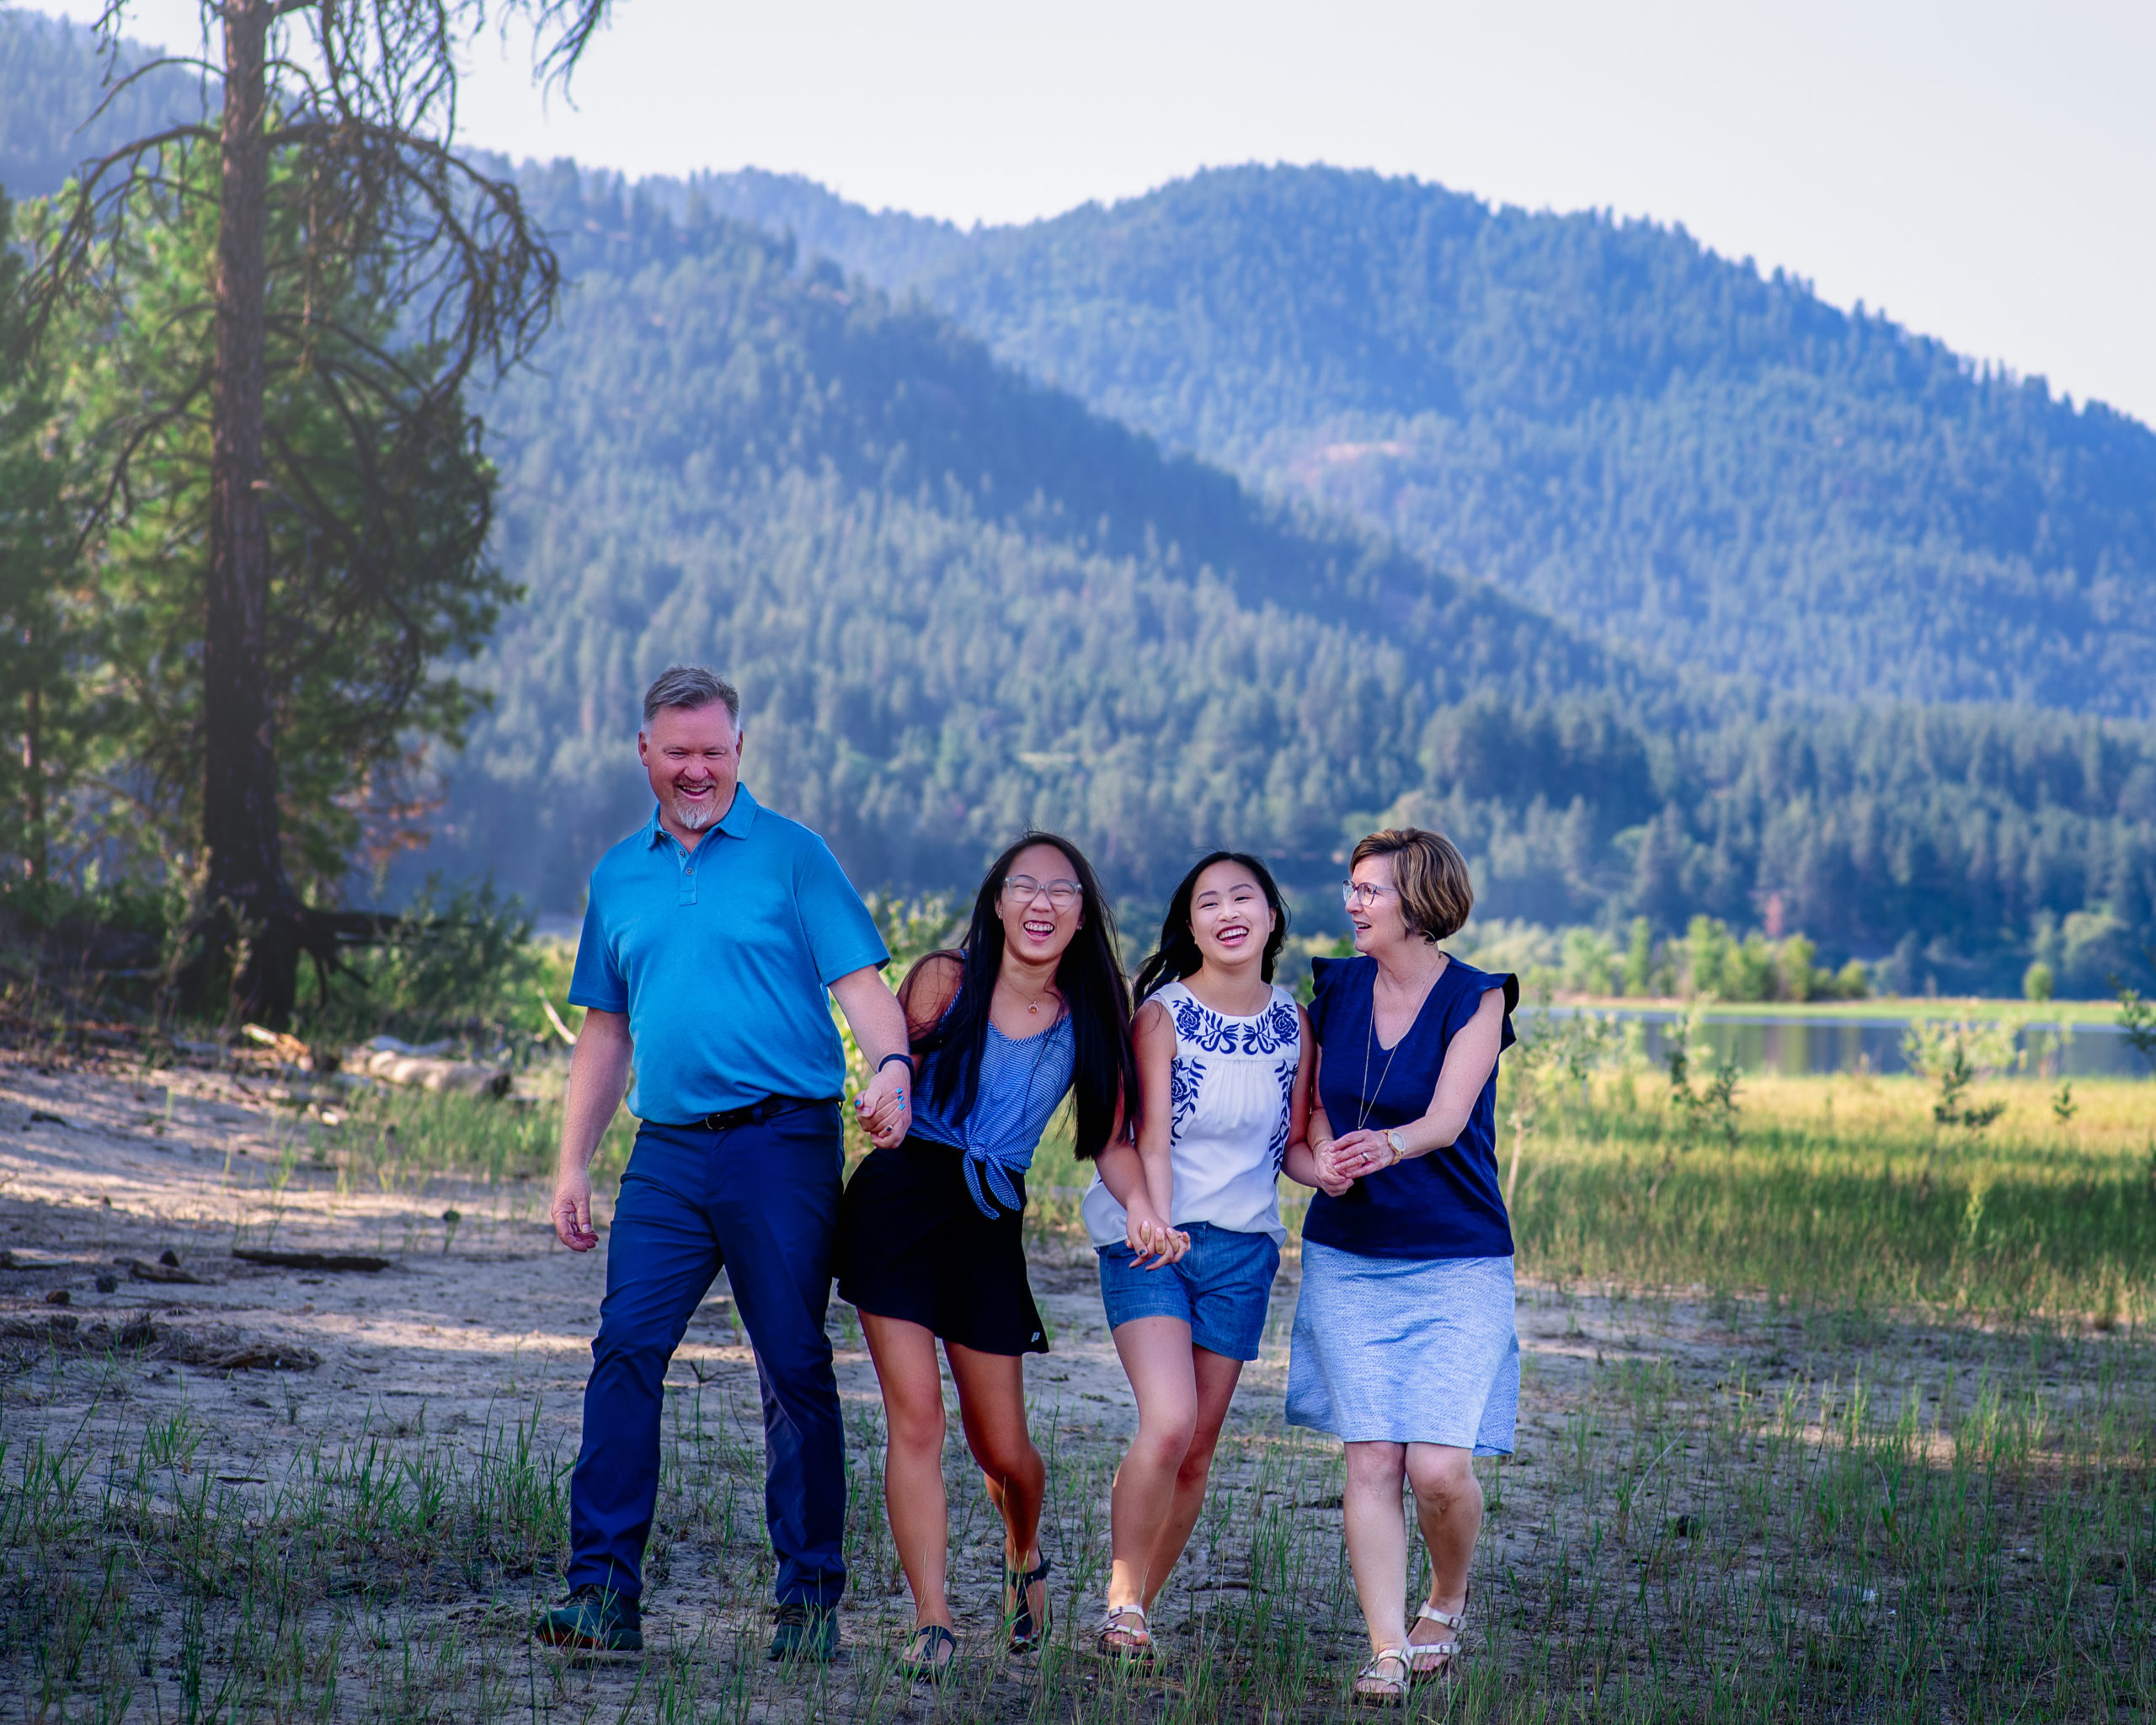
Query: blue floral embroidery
[[1186, 1077], [1267, 1033], [1284, 1071], [1275, 1030], [1207, 1029]]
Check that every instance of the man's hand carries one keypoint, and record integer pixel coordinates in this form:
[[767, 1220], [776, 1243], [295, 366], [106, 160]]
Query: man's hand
[[598, 1072], [571, 1209], [886, 1105]]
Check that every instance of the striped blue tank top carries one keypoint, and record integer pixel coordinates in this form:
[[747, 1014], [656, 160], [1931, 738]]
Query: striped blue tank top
[[1021, 1083]]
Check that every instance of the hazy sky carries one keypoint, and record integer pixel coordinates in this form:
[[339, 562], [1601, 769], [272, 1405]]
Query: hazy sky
[[1984, 172]]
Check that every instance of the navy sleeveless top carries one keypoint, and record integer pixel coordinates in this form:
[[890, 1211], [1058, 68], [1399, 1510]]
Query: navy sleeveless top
[[1447, 1203]]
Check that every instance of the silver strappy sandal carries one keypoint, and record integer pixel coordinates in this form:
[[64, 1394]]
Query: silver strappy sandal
[[1121, 1639], [1375, 1687], [1429, 1657]]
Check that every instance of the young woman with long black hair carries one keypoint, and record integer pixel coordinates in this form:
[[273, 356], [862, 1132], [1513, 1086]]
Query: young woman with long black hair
[[1033, 1007], [1187, 1222]]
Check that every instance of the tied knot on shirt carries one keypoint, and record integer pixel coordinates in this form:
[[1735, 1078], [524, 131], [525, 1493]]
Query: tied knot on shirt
[[987, 1173]]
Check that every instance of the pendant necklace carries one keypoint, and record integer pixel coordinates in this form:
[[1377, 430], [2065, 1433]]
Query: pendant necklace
[[1368, 1099]]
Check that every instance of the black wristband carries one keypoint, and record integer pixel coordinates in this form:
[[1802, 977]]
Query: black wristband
[[887, 1059]]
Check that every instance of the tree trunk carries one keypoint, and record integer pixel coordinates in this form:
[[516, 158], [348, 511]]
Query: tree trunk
[[34, 857], [252, 920]]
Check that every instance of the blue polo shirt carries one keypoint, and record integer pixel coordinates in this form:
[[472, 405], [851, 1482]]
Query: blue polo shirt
[[720, 955]]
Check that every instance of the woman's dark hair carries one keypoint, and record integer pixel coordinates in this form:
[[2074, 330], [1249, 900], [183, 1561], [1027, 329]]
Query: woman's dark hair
[[1090, 978], [1178, 955]]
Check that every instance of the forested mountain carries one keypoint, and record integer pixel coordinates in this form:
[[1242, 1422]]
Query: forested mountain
[[956, 602], [960, 598], [52, 82], [1603, 418]]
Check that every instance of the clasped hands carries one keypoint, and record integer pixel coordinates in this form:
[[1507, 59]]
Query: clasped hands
[[1343, 1160], [885, 1104], [1148, 1237]]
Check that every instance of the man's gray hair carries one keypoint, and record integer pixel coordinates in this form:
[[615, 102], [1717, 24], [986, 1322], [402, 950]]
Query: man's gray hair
[[690, 685]]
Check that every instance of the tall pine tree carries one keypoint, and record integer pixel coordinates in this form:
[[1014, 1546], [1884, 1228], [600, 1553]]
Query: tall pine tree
[[356, 128]]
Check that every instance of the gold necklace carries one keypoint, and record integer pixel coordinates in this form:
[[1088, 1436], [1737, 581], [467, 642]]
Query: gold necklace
[[1043, 994]]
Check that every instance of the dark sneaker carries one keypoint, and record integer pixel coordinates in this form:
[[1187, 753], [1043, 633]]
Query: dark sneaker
[[595, 1620], [805, 1632]]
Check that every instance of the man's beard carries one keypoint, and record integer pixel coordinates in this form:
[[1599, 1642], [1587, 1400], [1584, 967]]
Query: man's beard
[[695, 816]]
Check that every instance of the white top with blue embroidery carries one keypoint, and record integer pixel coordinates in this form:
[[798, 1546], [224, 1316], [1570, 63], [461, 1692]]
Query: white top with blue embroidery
[[1231, 1088]]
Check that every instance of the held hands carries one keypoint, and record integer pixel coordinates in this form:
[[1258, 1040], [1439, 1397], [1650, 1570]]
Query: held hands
[[1148, 1237], [885, 1105], [1348, 1157], [571, 1209]]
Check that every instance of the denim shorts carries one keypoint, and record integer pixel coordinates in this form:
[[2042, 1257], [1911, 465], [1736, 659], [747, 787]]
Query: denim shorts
[[1220, 1288]]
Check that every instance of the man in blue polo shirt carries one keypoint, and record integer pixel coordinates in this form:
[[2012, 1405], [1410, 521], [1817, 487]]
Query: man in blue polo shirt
[[710, 938]]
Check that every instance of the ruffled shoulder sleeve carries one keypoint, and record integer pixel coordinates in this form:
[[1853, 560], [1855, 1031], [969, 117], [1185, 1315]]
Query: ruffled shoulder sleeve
[[1471, 984], [1327, 976]]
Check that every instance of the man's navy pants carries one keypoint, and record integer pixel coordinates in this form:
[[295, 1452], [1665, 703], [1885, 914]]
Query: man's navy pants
[[762, 1202]]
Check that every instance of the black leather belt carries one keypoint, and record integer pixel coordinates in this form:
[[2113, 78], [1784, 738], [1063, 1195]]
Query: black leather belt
[[756, 1114]]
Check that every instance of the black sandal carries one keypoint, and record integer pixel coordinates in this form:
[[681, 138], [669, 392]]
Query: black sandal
[[1025, 1632], [919, 1661]]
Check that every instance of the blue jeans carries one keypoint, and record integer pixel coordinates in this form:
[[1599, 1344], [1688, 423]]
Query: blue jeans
[[761, 1201]]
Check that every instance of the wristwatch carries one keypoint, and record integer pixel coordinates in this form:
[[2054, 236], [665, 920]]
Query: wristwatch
[[1399, 1149]]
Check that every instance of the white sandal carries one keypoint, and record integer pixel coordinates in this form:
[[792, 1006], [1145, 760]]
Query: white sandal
[[1119, 1641], [1383, 1690], [1428, 1657]]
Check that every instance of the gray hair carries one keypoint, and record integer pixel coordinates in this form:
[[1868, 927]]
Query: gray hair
[[690, 685]]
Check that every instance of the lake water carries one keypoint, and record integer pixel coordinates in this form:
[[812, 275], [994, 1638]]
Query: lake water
[[1784, 1042]]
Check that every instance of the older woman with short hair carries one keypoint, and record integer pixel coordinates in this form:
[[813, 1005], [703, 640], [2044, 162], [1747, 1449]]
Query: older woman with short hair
[[1404, 1344]]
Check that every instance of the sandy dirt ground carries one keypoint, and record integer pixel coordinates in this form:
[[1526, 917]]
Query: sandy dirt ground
[[464, 1333]]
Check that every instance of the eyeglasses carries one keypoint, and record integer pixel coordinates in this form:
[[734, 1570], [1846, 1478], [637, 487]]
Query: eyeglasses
[[1365, 893], [1023, 890]]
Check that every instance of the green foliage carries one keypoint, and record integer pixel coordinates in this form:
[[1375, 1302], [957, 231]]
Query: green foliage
[[1710, 1110], [2137, 1024], [1955, 1057], [1796, 977], [2037, 981], [913, 928], [460, 963], [380, 507], [1707, 952], [1639, 958], [1590, 961], [1719, 966], [47, 639], [2063, 1103]]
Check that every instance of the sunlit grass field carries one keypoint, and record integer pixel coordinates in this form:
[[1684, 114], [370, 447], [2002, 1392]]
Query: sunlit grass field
[[1839, 1192], [1851, 1417]]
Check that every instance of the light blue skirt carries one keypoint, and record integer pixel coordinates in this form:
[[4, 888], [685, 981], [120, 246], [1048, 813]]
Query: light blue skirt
[[1405, 1350]]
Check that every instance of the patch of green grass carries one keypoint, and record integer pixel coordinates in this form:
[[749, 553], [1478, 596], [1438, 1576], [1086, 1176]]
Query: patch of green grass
[[396, 1139], [1844, 1193], [1897, 1009]]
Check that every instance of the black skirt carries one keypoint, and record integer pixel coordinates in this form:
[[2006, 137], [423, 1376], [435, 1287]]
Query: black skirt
[[913, 1245]]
